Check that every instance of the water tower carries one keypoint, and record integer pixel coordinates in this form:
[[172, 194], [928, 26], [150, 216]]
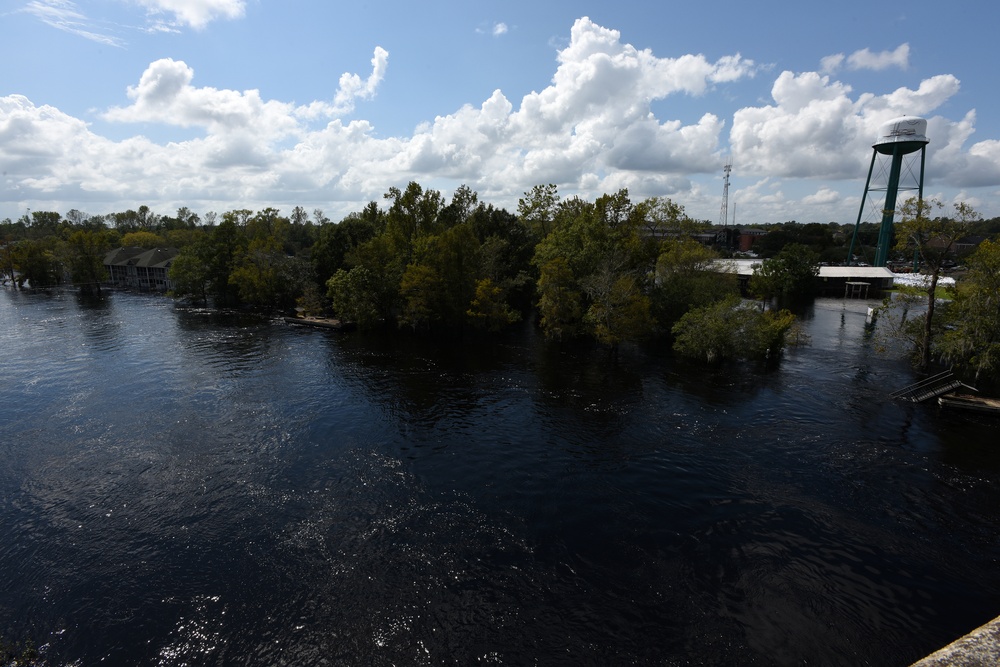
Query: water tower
[[896, 138]]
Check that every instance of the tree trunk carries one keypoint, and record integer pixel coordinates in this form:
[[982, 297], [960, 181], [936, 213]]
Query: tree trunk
[[925, 344]]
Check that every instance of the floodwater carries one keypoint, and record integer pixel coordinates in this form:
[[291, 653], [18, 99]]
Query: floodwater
[[185, 487]]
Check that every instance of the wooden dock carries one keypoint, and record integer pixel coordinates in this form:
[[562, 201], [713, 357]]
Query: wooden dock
[[970, 402], [318, 322]]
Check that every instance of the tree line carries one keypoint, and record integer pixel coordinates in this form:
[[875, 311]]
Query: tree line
[[611, 270]]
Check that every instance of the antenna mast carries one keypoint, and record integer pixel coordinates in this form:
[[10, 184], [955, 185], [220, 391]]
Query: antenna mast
[[724, 213]]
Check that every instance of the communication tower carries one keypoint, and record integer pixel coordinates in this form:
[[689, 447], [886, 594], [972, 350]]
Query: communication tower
[[896, 138], [724, 213]]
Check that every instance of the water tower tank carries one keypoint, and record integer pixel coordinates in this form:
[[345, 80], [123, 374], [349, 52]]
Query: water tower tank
[[906, 134]]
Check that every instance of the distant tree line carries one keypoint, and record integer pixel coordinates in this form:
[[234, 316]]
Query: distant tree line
[[611, 270]]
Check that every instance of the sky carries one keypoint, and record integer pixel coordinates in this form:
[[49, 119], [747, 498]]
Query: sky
[[217, 105]]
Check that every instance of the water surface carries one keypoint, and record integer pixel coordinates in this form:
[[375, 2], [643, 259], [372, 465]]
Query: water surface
[[189, 487]]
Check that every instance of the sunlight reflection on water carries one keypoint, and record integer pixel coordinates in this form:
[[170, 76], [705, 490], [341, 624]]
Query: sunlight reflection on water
[[184, 486]]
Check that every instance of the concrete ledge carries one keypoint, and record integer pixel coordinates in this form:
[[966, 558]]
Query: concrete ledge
[[979, 648]]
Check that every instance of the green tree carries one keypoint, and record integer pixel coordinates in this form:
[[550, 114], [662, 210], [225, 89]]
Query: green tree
[[663, 218], [463, 203], [179, 238], [560, 300], [413, 212], [219, 253], [380, 263], [505, 251], [189, 272], [731, 329], [972, 337], [85, 251], [335, 241], [686, 277], [355, 296], [489, 309], [605, 266], [143, 239], [438, 286], [620, 311], [186, 218], [537, 209], [255, 272], [790, 274], [421, 289], [37, 263], [19, 655], [932, 240]]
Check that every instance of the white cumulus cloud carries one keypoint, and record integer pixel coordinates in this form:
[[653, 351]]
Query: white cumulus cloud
[[195, 13], [602, 122], [866, 59]]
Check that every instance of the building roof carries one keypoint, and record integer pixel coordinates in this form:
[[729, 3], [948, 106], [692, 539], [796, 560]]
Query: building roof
[[121, 255], [745, 267], [155, 258]]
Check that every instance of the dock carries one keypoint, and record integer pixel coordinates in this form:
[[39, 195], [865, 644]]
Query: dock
[[933, 387], [970, 402], [318, 322]]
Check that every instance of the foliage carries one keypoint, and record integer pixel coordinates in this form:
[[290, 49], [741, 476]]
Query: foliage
[[189, 274], [452, 256], [335, 242], [611, 269], [413, 212], [422, 291], [972, 335], [354, 296], [489, 309], [815, 236], [204, 268], [791, 273], [932, 240], [686, 278], [143, 239], [594, 269], [311, 302], [19, 655], [560, 300], [731, 329], [382, 259], [901, 319], [256, 272], [85, 251], [36, 263], [619, 311], [537, 210]]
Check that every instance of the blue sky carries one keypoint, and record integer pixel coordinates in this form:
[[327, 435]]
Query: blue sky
[[222, 104]]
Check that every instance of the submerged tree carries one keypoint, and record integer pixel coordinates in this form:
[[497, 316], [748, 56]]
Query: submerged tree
[[356, 295], [790, 274], [36, 262], [972, 337], [594, 270], [686, 278], [489, 308], [932, 240], [85, 252], [731, 329]]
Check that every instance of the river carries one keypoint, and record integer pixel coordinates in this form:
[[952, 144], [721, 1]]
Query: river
[[186, 487]]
